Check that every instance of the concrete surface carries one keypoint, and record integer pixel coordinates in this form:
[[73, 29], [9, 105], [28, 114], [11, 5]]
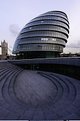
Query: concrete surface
[[37, 95]]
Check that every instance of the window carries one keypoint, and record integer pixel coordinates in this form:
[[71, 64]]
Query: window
[[54, 39], [42, 21], [44, 39], [30, 27]]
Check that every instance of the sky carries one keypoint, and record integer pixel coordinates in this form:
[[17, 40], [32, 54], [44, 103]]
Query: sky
[[16, 13]]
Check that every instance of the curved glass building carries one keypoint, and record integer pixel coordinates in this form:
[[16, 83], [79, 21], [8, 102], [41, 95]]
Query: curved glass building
[[44, 36]]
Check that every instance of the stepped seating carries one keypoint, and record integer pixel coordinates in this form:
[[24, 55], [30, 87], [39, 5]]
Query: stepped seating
[[67, 105], [11, 107], [62, 103]]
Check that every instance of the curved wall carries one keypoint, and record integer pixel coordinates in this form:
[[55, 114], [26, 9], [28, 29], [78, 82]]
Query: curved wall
[[44, 36]]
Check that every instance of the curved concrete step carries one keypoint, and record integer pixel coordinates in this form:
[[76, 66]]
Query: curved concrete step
[[37, 95]]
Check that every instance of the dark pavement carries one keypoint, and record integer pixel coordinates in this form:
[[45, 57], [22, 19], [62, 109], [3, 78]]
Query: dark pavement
[[36, 95]]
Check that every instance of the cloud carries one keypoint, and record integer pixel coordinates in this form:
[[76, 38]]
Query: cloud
[[14, 29]]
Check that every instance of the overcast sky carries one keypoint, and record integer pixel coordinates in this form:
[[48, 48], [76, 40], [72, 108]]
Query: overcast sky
[[16, 13]]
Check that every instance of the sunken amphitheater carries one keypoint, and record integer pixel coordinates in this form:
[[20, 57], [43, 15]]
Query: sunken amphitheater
[[38, 84]]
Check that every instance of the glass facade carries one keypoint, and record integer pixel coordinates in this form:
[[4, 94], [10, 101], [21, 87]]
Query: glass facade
[[43, 34]]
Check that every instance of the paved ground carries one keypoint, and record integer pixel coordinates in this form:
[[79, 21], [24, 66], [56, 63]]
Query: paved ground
[[37, 95]]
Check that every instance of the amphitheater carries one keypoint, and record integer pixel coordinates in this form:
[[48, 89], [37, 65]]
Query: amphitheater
[[35, 94]]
